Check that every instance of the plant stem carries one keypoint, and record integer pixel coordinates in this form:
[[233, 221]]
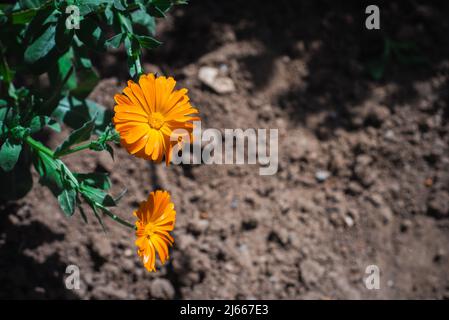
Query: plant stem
[[39, 146], [117, 218], [74, 149]]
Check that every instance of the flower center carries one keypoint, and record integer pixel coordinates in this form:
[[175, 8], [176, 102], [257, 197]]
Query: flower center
[[156, 120], [149, 230]]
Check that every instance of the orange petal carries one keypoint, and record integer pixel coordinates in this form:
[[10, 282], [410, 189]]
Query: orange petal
[[148, 89], [127, 116], [136, 133]]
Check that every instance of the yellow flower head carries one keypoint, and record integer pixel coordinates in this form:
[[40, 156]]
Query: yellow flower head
[[147, 114], [156, 217]]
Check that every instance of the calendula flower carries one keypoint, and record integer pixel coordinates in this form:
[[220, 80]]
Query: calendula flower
[[156, 218], [147, 114]]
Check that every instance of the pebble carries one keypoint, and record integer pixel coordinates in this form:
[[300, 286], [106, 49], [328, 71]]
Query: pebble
[[322, 175], [211, 77], [349, 221], [389, 135]]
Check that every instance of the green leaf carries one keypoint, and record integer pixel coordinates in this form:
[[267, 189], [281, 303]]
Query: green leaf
[[77, 136], [9, 154], [39, 24], [109, 15], [37, 123], [86, 9], [74, 113], [59, 73], [115, 41], [97, 195], [67, 201], [23, 17], [27, 4], [158, 8], [95, 179], [42, 46], [54, 125], [143, 19], [50, 171], [68, 178], [119, 5], [148, 42]]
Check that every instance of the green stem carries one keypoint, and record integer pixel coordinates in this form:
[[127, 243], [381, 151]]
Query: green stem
[[39, 146], [74, 149], [117, 218]]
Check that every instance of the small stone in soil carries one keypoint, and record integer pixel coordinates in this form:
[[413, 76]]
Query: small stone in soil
[[211, 78], [322, 175], [349, 221]]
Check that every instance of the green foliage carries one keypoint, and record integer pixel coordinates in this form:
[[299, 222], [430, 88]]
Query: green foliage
[[9, 154], [67, 201], [46, 39], [78, 135]]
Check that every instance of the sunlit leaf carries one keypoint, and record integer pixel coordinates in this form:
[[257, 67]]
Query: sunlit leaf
[[67, 201], [77, 136], [9, 154], [95, 179]]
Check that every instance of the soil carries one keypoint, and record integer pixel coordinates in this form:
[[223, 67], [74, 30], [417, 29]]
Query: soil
[[363, 166]]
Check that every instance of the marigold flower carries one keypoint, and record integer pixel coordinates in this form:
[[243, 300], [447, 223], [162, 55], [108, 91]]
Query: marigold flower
[[147, 114], [156, 217]]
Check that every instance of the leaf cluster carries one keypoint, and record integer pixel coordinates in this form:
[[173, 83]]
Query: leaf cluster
[[46, 75]]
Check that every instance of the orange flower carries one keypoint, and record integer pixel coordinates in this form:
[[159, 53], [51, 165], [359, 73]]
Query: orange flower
[[147, 114], [156, 217]]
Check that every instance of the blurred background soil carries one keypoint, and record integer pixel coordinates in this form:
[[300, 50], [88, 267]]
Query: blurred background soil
[[363, 164]]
